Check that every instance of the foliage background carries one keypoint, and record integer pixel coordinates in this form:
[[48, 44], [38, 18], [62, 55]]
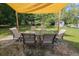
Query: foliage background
[[69, 15]]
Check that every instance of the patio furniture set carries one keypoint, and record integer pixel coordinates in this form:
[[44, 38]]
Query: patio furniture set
[[34, 38]]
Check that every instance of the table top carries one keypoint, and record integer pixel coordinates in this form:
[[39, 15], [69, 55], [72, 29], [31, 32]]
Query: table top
[[39, 32]]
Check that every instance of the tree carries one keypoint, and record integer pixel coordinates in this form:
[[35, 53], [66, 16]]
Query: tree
[[7, 15], [69, 16]]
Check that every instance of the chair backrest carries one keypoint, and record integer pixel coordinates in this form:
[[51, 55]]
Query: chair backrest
[[62, 31], [48, 38], [60, 34], [28, 37], [15, 32]]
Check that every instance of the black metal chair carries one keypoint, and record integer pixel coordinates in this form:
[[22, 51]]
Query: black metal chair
[[48, 38], [28, 42], [47, 41], [28, 38]]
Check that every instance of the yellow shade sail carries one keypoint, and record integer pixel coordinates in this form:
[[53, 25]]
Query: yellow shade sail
[[37, 8]]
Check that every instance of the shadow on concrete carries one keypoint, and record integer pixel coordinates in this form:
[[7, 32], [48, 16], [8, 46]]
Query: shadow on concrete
[[74, 45], [66, 48], [10, 48]]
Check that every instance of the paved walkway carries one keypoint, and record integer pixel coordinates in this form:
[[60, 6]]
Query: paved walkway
[[6, 40], [9, 37]]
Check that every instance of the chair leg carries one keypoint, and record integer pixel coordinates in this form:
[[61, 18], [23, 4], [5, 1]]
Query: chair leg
[[23, 49]]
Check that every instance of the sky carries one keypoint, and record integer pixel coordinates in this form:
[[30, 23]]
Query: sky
[[69, 7]]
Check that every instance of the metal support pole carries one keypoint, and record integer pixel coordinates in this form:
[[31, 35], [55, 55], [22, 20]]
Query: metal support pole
[[59, 16], [17, 22], [42, 27]]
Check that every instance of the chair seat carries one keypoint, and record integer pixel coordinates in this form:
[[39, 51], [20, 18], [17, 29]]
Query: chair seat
[[29, 42], [47, 42], [15, 38]]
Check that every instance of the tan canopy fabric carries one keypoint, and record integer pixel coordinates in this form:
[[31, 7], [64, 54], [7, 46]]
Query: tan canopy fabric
[[37, 8]]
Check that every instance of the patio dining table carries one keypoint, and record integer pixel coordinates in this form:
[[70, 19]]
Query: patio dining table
[[39, 36]]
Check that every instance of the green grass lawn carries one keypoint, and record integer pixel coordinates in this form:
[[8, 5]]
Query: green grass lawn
[[72, 36], [5, 31]]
